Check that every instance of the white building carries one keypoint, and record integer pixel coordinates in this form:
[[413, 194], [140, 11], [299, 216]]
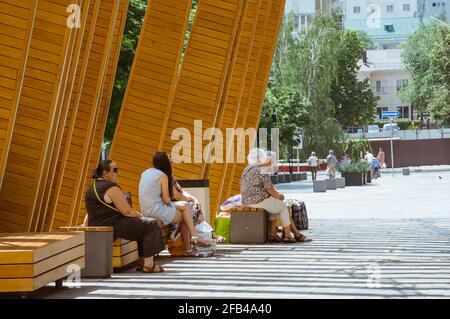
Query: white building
[[387, 76]]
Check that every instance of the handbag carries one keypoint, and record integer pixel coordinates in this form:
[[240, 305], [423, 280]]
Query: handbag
[[176, 246], [300, 215]]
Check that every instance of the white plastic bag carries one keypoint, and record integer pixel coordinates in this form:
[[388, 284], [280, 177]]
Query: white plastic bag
[[205, 231]]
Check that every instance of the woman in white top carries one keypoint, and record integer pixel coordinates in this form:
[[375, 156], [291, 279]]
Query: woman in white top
[[156, 194], [313, 162]]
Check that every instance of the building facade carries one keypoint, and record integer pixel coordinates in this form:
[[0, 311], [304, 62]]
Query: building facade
[[387, 76]]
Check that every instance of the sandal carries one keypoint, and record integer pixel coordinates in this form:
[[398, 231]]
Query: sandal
[[190, 253], [303, 239], [147, 270], [195, 241], [289, 240], [275, 239]]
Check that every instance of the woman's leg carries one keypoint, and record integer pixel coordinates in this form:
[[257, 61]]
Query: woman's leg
[[148, 235], [185, 213], [186, 237], [294, 229]]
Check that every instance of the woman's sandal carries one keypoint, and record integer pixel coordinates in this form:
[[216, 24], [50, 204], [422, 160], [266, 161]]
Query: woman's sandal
[[196, 242], [275, 239], [147, 270], [303, 238], [289, 240], [190, 253]]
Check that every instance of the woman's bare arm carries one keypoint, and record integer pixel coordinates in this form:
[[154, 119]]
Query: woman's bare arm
[[116, 195], [164, 180]]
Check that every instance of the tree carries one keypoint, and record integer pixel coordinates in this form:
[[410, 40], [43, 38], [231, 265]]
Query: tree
[[439, 107], [133, 25], [416, 58], [135, 18], [305, 63], [354, 100]]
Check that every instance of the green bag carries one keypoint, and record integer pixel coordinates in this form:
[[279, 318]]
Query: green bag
[[222, 228]]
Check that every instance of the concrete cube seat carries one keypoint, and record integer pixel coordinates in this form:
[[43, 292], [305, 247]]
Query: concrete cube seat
[[331, 184], [319, 186]]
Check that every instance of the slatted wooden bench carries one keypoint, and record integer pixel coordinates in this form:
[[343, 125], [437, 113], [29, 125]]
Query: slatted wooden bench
[[125, 252], [29, 261]]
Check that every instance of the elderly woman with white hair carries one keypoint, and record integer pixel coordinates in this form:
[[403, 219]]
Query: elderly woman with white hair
[[257, 191]]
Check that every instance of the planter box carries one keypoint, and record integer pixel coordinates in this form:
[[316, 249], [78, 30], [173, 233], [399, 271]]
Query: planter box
[[354, 179], [319, 186], [274, 179], [294, 177], [287, 178], [303, 176], [405, 171], [281, 178]]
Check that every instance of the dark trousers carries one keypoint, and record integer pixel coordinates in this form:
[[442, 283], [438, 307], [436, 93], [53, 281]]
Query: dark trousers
[[145, 231]]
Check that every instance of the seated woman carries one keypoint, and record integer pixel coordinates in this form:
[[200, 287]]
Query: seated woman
[[257, 191], [106, 206], [155, 197]]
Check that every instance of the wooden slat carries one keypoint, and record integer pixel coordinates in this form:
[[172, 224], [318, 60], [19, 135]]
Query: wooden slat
[[82, 125], [30, 248], [8, 105], [34, 270], [119, 262], [56, 32], [256, 17], [104, 104], [31, 284], [255, 99], [122, 250], [144, 96]]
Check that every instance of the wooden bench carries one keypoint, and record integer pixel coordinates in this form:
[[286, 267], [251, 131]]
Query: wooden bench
[[124, 252], [29, 261]]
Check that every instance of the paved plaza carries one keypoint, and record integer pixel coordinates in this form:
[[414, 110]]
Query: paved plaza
[[390, 239]]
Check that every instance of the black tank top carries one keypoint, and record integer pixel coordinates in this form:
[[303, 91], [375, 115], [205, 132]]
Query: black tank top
[[98, 213]]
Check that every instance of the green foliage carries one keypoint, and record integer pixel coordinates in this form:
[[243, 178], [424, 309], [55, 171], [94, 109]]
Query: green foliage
[[353, 99], [348, 166], [439, 106], [133, 25], [426, 56], [135, 17], [366, 41], [320, 65], [358, 148]]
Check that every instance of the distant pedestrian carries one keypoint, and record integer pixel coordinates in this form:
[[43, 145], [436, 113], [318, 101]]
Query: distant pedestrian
[[331, 164], [381, 158], [369, 157], [313, 162]]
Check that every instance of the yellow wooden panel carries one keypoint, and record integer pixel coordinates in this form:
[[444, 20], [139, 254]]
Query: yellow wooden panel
[[144, 92], [56, 32], [84, 109], [119, 262], [20, 19], [257, 88], [199, 61]]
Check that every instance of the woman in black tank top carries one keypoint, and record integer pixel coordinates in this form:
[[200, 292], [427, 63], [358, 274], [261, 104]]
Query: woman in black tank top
[[106, 206]]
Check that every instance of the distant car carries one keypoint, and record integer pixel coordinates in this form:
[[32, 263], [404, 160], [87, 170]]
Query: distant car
[[390, 126], [373, 129]]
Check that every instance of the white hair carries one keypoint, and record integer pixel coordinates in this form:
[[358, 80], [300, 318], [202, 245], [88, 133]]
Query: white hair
[[257, 156]]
